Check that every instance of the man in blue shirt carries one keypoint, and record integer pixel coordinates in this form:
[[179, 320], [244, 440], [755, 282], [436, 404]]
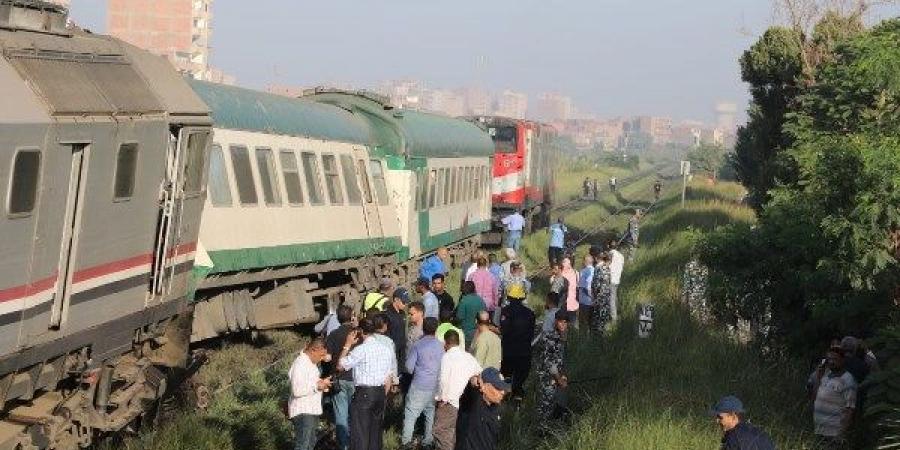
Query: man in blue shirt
[[434, 264], [557, 241], [738, 434], [514, 224], [432, 305], [424, 363]]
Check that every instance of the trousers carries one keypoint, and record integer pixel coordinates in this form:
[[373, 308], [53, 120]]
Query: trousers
[[305, 431], [613, 302], [341, 405], [513, 239], [418, 402], [555, 254], [445, 426], [516, 367], [366, 418]]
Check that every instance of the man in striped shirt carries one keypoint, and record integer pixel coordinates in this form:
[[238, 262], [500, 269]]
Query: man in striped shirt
[[374, 366], [835, 399]]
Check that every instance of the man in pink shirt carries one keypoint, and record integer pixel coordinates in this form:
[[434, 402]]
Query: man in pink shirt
[[486, 285]]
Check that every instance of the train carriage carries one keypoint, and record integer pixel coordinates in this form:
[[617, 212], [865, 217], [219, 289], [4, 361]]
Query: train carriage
[[438, 174], [298, 213], [102, 159]]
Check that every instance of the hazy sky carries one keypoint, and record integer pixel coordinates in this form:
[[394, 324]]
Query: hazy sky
[[661, 57]]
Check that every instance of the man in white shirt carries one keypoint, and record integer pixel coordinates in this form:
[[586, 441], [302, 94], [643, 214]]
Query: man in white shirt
[[305, 405], [514, 224], [617, 263], [457, 369]]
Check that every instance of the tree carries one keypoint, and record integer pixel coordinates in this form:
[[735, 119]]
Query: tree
[[707, 158]]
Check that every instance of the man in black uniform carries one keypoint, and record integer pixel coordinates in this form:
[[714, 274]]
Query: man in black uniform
[[483, 429], [737, 433], [445, 300], [517, 332], [657, 188]]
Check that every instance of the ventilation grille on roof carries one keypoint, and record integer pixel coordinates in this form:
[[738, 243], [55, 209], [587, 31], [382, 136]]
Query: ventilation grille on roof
[[33, 15]]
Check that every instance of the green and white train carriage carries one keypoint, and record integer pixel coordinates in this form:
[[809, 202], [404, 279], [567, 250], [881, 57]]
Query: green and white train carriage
[[439, 173], [311, 201]]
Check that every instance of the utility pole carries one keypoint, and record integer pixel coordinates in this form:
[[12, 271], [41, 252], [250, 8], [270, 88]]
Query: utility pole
[[685, 171]]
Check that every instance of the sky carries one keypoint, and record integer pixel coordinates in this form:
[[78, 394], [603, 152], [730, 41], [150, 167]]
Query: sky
[[613, 57]]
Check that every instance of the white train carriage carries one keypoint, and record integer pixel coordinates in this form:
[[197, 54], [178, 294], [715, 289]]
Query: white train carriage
[[298, 212]]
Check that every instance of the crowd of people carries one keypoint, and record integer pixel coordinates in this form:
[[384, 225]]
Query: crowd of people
[[451, 362]]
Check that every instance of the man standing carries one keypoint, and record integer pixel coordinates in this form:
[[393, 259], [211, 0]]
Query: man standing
[[416, 318], [372, 363], [612, 184], [552, 379], [483, 430], [470, 304], [434, 264], [517, 331], [514, 224], [343, 380], [557, 241], [487, 348], [657, 189], [445, 325], [634, 226], [616, 265], [429, 300], [396, 323], [737, 433], [457, 368], [486, 286], [835, 399], [305, 405], [445, 300], [585, 300], [424, 363]]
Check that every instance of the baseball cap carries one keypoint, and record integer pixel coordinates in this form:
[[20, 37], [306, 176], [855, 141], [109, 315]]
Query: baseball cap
[[492, 376], [402, 294], [727, 404]]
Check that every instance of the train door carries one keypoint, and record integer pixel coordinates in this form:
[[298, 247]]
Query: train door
[[528, 164], [179, 199], [372, 215], [70, 233]]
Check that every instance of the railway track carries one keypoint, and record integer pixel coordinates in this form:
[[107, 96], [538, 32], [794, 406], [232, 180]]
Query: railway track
[[576, 203]]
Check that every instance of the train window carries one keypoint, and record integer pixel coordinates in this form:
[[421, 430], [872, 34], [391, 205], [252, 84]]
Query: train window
[[441, 186], [364, 175], [194, 168], [311, 171], [504, 139], [332, 179], [350, 181], [468, 184], [291, 174], [476, 184], [460, 184], [126, 166], [219, 191], [24, 183], [454, 184], [447, 186], [379, 182], [421, 189], [243, 175], [268, 176], [486, 181], [432, 187]]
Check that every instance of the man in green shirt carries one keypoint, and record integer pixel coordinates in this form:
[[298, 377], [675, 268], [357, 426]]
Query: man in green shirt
[[470, 304], [486, 347], [447, 325]]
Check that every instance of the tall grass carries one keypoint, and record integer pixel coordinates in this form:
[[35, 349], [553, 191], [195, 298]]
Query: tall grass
[[654, 393]]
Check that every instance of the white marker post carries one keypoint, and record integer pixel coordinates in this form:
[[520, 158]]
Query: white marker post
[[685, 172], [645, 320]]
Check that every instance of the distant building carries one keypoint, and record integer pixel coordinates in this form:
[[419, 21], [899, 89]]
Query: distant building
[[443, 101], [512, 104], [712, 136], [402, 93], [477, 101], [553, 107], [687, 135], [726, 114], [177, 29]]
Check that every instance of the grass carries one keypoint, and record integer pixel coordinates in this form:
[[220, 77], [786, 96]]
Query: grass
[[654, 393]]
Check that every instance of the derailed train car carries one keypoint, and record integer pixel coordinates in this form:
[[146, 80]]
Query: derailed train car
[[312, 200], [102, 164]]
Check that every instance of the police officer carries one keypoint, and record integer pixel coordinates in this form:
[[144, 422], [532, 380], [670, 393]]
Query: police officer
[[378, 300], [552, 379]]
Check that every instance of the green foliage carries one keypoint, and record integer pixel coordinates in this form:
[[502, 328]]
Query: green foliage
[[707, 158], [772, 67]]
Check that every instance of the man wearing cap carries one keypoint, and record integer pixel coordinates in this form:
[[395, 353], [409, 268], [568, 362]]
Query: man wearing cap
[[377, 300], [738, 433], [552, 379], [457, 368], [483, 429], [516, 330], [432, 305]]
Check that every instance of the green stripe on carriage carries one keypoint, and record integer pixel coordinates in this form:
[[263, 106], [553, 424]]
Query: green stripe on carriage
[[430, 243], [283, 255]]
